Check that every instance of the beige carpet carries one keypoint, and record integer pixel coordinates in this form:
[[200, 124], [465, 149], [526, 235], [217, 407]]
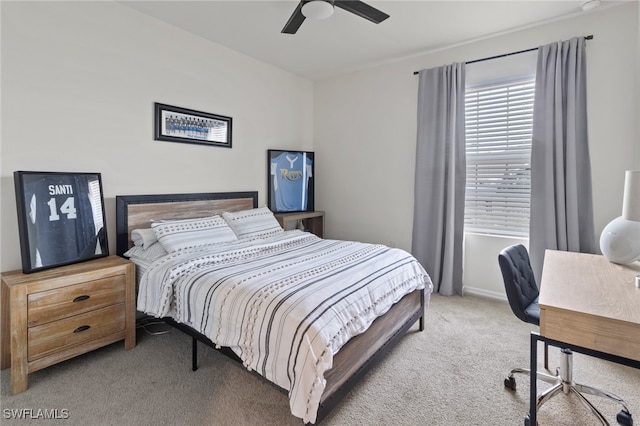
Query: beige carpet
[[450, 374]]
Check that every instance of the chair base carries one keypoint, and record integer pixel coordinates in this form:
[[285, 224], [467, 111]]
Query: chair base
[[563, 381]]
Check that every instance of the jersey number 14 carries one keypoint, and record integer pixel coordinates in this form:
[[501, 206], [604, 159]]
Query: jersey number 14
[[67, 208]]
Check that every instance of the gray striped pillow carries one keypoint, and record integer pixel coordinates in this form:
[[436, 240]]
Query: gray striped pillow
[[187, 233], [151, 253], [255, 223]]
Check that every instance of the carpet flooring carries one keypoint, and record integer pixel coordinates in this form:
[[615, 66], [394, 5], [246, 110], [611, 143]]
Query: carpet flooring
[[450, 374]]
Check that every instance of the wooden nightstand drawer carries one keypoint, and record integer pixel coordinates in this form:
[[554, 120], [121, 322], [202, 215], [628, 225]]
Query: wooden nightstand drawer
[[56, 336], [42, 325], [52, 305]]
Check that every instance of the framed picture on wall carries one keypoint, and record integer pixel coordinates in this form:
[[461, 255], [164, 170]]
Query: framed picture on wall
[[61, 218], [290, 177], [175, 124]]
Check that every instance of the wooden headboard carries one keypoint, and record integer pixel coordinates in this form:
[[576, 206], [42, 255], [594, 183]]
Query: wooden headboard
[[138, 211]]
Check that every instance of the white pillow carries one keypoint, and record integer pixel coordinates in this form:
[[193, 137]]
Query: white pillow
[[256, 223], [187, 233], [143, 237]]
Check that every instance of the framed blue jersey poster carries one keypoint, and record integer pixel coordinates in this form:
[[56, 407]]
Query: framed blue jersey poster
[[290, 180], [61, 218]]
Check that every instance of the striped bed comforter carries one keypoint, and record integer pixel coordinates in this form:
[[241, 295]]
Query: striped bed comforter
[[285, 305]]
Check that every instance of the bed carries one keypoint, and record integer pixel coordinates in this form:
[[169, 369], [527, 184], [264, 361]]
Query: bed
[[223, 293]]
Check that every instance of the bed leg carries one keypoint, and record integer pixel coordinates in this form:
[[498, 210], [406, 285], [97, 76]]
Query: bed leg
[[194, 354], [422, 307]]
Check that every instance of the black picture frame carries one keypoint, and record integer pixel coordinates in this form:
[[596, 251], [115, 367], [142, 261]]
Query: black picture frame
[[61, 218], [175, 124], [291, 186]]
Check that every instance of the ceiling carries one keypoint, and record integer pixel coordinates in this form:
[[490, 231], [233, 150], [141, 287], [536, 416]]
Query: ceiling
[[345, 42]]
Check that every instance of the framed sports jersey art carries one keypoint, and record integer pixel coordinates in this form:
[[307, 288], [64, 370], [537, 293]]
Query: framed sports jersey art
[[61, 218], [290, 180]]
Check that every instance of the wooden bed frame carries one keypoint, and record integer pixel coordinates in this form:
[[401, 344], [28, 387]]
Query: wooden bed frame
[[353, 360]]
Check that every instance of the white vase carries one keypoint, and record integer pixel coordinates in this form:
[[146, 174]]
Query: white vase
[[620, 241]]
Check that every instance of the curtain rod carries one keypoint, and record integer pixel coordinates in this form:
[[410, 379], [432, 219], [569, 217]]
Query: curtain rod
[[589, 37]]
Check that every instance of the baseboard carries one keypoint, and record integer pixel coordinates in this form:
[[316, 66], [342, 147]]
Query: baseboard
[[485, 293]]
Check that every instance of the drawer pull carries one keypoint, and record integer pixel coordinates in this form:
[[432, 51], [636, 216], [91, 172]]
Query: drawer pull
[[81, 298], [82, 328]]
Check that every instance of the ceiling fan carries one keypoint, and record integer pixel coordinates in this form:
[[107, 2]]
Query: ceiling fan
[[321, 9]]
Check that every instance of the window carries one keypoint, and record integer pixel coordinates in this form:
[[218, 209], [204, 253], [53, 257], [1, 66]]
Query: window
[[498, 139]]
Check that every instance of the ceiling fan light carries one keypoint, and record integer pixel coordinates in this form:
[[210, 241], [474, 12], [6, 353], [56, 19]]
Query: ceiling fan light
[[317, 9], [589, 5]]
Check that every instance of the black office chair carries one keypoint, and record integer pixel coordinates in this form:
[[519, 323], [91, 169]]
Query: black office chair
[[522, 293]]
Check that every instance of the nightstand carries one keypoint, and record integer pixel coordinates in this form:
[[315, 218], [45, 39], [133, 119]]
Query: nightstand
[[57, 314], [313, 221]]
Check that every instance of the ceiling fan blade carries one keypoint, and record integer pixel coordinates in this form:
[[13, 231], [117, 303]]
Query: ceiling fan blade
[[294, 22], [362, 9]]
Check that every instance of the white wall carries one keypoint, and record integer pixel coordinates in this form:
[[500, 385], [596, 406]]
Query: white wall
[[79, 80], [365, 130]]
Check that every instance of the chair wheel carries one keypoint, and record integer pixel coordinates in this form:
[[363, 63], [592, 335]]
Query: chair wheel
[[527, 420], [624, 418], [510, 382]]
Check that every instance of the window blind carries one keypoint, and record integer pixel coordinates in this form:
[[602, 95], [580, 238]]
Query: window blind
[[498, 123]]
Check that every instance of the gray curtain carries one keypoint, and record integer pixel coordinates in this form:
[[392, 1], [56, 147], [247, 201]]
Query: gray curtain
[[438, 214], [561, 200]]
